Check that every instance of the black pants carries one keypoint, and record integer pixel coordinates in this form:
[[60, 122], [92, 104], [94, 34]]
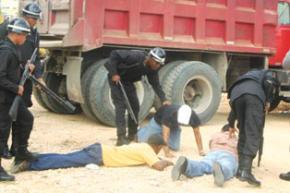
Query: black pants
[[120, 107], [28, 87], [23, 125], [250, 114]]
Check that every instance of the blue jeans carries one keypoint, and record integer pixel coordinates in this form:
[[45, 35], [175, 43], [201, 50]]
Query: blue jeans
[[154, 128], [228, 162], [91, 154]]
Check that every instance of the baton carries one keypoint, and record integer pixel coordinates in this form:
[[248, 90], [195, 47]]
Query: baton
[[130, 110]]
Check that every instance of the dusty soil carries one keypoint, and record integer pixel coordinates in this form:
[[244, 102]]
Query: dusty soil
[[63, 133]]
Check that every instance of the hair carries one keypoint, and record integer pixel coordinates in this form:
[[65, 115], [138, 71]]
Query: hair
[[156, 139], [225, 128]]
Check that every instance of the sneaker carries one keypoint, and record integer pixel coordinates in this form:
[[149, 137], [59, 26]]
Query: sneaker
[[4, 176], [179, 168], [19, 166], [285, 176], [218, 175]]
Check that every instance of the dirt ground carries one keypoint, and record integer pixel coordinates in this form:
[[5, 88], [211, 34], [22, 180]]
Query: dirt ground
[[64, 133]]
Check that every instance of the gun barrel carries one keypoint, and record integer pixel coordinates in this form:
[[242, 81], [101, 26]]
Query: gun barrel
[[127, 102], [66, 104], [13, 111]]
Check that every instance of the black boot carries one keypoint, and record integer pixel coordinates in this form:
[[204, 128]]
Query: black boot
[[132, 138], [244, 173], [6, 153], [122, 140], [238, 174], [22, 154], [12, 150], [4, 176]]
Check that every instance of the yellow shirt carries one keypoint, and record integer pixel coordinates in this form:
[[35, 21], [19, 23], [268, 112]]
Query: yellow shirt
[[128, 155]]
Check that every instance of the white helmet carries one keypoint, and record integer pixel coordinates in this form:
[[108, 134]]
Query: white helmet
[[184, 114], [18, 25], [158, 54]]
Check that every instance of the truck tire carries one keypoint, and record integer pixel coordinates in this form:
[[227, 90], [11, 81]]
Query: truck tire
[[197, 85], [38, 95], [101, 102], [53, 81], [39, 98], [163, 72], [85, 83]]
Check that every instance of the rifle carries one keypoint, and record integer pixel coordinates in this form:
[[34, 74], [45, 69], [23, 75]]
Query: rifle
[[13, 111], [130, 111], [65, 103]]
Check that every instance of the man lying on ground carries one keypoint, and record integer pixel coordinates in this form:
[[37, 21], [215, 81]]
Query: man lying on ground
[[221, 161], [128, 155]]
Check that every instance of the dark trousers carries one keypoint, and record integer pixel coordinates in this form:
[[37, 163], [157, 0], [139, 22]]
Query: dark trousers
[[250, 115], [28, 86], [120, 107], [23, 125]]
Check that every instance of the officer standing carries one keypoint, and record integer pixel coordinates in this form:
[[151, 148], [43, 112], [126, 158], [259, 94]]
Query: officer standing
[[9, 88], [250, 97], [128, 66], [31, 13]]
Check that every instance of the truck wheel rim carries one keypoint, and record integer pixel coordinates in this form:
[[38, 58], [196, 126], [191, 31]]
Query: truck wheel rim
[[197, 93]]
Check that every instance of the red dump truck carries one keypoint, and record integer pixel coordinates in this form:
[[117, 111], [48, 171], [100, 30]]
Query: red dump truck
[[209, 43], [282, 34]]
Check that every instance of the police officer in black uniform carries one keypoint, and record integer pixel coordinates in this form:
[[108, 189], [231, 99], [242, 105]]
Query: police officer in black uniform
[[250, 97], [31, 13], [3, 28], [128, 66], [9, 88]]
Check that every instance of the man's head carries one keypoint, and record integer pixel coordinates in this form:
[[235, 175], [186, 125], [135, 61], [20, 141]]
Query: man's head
[[226, 128], [156, 141], [271, 86], [18, 29], [156, 58], [31, 12], [183, 114]]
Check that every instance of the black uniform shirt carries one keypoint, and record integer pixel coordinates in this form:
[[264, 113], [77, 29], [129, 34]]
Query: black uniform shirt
[[9, 71], [129, 65], [167, 115], [249, 83], [248, 86]]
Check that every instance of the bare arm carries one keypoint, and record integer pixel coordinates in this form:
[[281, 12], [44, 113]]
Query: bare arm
[[160, 165], [165, 135], [198, 141]]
